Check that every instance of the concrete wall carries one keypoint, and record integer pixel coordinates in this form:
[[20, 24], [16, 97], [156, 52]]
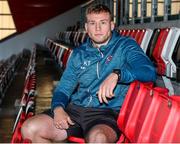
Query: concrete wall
[[37, 34]]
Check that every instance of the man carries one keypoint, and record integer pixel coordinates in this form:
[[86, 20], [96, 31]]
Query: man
[[102, 68]]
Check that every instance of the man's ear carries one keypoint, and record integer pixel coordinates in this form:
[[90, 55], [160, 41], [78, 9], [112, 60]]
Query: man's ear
[[112, 25], [85, 26]]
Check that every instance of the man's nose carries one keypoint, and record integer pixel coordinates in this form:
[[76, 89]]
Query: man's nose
[[98, 27]]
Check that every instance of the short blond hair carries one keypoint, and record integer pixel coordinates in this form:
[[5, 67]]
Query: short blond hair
[[100, 8]]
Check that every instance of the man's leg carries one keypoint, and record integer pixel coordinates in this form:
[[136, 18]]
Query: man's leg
[[40, 128], [101, 133]]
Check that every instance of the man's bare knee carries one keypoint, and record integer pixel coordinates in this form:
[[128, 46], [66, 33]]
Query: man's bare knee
[[96, 136], [36, 128], [28, 129], [101, 134], [40, 128]]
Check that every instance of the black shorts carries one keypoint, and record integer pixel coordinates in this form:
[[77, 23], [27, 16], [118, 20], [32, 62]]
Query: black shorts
[[86, 118]]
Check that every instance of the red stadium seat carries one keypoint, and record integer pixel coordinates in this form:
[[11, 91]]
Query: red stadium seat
[[167, 52], [162, 120], [150, 116], [152, 43], [127, 105], [17, 137], [122, 32], [66, 57], [60, 55], [76, 139], [146, 39], [26, 141], [132, 107], [161, 67], [139, 36], [133, 33]]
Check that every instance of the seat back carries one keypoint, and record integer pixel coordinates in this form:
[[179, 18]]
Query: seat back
[[162, 120], [161, 67], [152, 43], [60, 55], [140, 35], [138, 113], [172, 128], [127, 105], [176, 59], [167, 52], [131, 109], [66, 57], [146, 39], [133, 33]]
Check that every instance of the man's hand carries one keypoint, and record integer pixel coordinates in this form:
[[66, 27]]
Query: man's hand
[[61, 119], [107, 87]]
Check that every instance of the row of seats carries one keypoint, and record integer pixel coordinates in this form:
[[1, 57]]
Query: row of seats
[[73, 38], [148, 115], [161, 45], [27, 103], [59, 52], [8, 68]]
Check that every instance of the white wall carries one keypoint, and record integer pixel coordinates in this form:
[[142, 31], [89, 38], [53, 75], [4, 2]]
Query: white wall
[[37, 34]]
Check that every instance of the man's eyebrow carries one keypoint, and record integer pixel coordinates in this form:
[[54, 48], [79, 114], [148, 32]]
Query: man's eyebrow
[[100, 20], [104, 20], [90, 20]]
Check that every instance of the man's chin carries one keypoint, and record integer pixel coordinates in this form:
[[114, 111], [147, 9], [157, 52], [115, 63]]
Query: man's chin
[[100, 41]]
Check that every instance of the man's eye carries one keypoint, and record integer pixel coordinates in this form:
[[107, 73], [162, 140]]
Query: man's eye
[[91, 23], [103, 22]]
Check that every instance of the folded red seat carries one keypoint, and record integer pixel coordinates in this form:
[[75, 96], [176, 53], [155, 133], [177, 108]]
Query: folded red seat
[[167, 52], [162, 122], [161, 66], [152, 43], [140, 36]]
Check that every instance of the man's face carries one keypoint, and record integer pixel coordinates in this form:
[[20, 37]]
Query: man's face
[[99, 27]]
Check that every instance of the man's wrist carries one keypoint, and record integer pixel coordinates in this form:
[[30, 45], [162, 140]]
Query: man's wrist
[[57, 109], [118, 72]]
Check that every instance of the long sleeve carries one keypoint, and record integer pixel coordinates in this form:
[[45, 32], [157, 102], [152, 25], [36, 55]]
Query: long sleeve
[[138, 67], [66, 85]]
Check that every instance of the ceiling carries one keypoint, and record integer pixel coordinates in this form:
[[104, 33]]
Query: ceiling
[[29, 13]]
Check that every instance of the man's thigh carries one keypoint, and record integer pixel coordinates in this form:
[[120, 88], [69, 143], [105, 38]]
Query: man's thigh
[[46, 129], [87, 118]]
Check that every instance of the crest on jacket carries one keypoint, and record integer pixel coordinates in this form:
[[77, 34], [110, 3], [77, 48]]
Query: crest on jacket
[[108, 59]]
